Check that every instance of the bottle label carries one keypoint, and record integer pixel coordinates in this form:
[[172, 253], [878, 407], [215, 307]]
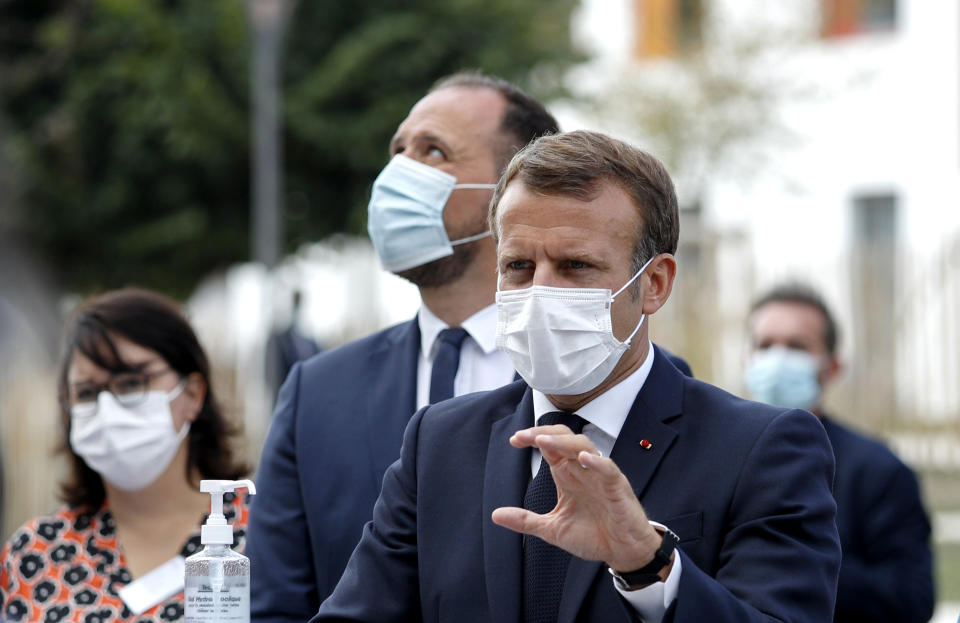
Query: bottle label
[[221, 599]]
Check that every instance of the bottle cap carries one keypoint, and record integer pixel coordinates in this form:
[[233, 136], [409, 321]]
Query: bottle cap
[[216, 530]]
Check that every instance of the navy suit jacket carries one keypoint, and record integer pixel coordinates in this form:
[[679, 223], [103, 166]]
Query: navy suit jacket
[[887, 571], [338, 426], [746, 486]]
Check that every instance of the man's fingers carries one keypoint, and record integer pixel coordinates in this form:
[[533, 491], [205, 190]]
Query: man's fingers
[[528, 436], [518, 520], [589, 471], [556, 448], [596, 461]]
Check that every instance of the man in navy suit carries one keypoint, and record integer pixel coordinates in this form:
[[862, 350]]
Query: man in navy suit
[[884, 529], [675, 501], [340, 416]]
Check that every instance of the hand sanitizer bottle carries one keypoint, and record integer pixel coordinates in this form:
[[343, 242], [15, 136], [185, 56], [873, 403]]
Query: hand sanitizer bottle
[[217, 579]]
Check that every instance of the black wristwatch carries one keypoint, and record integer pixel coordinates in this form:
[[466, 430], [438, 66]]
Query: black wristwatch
[[650, 572]]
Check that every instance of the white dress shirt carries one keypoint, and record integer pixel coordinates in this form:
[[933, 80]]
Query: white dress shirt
[[604, 417], [482, 366]]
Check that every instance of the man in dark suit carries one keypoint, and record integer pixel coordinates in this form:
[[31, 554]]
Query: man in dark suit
[[340, 416], [884, 530], [514, 504]]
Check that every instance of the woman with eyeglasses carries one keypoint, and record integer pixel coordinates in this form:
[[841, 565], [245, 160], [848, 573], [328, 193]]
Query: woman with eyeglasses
[[141, 428]]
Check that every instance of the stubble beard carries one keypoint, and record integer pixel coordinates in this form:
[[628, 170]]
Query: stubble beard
[[443, 271]]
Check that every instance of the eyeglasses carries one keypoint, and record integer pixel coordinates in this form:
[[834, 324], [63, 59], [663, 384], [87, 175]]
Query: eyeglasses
[[129, 388]]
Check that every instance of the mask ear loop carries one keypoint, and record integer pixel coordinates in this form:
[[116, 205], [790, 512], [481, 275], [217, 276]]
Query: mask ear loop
[[632, 279], [475, 186], [625, 286], [176, 391], [481, 235]]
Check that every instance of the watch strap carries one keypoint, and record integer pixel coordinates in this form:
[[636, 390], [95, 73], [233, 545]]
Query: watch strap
[[650, 572]]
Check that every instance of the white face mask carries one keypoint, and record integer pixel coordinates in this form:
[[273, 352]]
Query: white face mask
[[130, 447], [561, 340]]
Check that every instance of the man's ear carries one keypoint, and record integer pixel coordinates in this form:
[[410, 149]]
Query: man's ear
[[195, 390], [831, 372], [659, 278]]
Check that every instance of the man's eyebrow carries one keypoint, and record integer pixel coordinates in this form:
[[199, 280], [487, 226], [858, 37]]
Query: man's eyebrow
[[429, 137], [586, 257], [425, 137], [509, 256], [392, 148]]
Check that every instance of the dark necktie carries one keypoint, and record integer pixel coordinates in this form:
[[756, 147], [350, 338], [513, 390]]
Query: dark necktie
[[445, 364], [544, 566]]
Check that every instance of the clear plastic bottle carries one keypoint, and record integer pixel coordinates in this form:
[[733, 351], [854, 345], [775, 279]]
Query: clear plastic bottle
[[217, 579]]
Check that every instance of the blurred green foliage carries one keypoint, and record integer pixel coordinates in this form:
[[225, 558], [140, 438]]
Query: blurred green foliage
[[125, 123]]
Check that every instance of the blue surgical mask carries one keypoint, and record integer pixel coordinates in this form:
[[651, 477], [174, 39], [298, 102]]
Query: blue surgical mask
[[784, 377], [405, 214]]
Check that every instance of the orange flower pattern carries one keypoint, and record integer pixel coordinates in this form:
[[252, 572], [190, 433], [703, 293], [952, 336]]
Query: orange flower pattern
[[69, 566]]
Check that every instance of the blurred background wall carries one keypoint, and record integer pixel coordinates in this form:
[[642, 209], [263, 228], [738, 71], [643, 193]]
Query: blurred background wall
[[813, 139]]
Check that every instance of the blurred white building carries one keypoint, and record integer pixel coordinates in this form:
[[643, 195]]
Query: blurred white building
[[811, 139]]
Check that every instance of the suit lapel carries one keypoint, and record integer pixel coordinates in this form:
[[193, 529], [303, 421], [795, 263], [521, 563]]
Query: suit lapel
[[659, 400], [646, 436], [390, 380], [507, 472]]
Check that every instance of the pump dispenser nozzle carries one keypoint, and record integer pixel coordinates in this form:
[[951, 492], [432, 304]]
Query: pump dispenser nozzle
[[216, 530]]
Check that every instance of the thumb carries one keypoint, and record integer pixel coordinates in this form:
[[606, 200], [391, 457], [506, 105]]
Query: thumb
[[519, 520]]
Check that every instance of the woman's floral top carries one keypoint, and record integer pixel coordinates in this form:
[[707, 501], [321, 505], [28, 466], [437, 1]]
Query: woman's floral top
[[69, 566]]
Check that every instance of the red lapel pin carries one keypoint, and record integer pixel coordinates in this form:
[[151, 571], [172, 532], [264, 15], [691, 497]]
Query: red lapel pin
[[645, 444]]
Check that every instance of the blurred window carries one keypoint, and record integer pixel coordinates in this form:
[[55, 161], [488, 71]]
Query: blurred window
[[667, 27], [873, 289], [849, 17], [875, 219]]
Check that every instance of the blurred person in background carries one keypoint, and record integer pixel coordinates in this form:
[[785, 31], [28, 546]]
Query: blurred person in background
[[30, 328], [141, 428], [340, 416], [886, 575], [6, 338], [287, 346]]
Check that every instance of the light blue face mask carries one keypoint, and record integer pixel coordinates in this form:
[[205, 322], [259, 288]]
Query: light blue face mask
[[784, 377], [405, 214]]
